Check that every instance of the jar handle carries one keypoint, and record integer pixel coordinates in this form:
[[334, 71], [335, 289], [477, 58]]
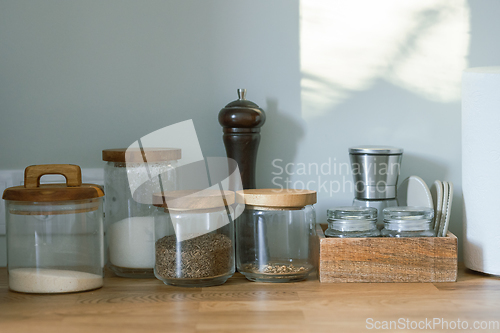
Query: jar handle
[[71, 172]]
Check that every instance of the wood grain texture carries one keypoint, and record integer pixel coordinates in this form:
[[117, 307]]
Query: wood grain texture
[[193, 199], [275, 197], [138, 155], [33, 173], [241, 121], [73, 189], [147, 305], [383, 259]]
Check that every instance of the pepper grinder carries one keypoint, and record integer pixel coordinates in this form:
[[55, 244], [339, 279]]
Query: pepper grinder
[[375, 170], [241, 121]]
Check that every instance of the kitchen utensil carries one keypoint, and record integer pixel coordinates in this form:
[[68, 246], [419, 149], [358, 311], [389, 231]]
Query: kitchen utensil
[[375, 172], [241, 121], [437, 199], [413, 191], [442, 220], [448, 209]]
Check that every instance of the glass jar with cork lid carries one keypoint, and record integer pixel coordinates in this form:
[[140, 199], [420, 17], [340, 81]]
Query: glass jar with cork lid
[[194, 237], [54, 232], [131, 176], [274, 234]]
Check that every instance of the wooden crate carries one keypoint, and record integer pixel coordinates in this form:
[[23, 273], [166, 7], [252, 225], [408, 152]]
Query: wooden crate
[[383, 259]]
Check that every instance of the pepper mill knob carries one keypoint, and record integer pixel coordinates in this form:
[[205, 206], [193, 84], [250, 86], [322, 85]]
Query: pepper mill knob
[[242, 93], [241, 121]]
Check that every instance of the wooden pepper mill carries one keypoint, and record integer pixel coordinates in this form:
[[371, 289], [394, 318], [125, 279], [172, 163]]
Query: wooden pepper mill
[[241, 121]]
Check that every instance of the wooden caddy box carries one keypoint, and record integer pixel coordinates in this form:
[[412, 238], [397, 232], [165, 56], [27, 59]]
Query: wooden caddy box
[[383, 259]]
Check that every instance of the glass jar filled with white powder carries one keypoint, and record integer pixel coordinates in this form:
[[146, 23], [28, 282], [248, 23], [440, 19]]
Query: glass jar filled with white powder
[[130, 177], [54, 233]]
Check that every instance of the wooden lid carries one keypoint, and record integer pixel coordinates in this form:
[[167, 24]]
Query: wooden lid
[[275, 197], [137, 155], [193, 199], [73, 189]]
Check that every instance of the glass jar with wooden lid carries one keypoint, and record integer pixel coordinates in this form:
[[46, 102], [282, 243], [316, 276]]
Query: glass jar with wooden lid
[[274, 234], [54, 232], [194, 237], [131, 176]]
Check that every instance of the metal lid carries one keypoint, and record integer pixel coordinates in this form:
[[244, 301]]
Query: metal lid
[[375, 150], [352, 213], [33, 191], [189, 200], [275, 197], [137, 155]]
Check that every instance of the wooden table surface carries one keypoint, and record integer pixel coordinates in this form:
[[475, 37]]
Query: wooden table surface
[[129, 305]]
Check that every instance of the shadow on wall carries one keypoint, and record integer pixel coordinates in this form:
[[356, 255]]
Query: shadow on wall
[[420, 46], [428, 170], [280, 138]]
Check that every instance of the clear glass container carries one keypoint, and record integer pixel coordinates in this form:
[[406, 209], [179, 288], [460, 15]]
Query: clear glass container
[[406, 221], [274, 235], [352, 222], [129, 221], [194, 238], [54, 234]]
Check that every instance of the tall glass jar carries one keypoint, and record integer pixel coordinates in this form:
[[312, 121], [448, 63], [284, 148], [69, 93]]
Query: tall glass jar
[[54, 233], [194, 237], [407, 221], [352, 222], [274, 233], [129, 182]]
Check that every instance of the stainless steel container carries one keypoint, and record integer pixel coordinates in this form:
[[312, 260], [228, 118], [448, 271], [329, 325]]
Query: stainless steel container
[[375, 170]]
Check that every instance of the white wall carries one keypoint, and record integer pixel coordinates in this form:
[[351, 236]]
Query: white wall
[[80, 76]]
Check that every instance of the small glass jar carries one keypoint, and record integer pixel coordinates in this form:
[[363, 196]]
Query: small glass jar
[[54, 233], [274, 234], [194, 238], [129, 183], [406, 221], [352, 222]]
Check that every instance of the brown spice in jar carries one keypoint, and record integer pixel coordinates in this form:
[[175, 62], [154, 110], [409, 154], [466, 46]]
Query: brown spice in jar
[[276, 268], [204, 256]]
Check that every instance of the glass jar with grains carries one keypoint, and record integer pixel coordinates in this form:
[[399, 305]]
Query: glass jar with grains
[[194, 238], [274, 234]]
